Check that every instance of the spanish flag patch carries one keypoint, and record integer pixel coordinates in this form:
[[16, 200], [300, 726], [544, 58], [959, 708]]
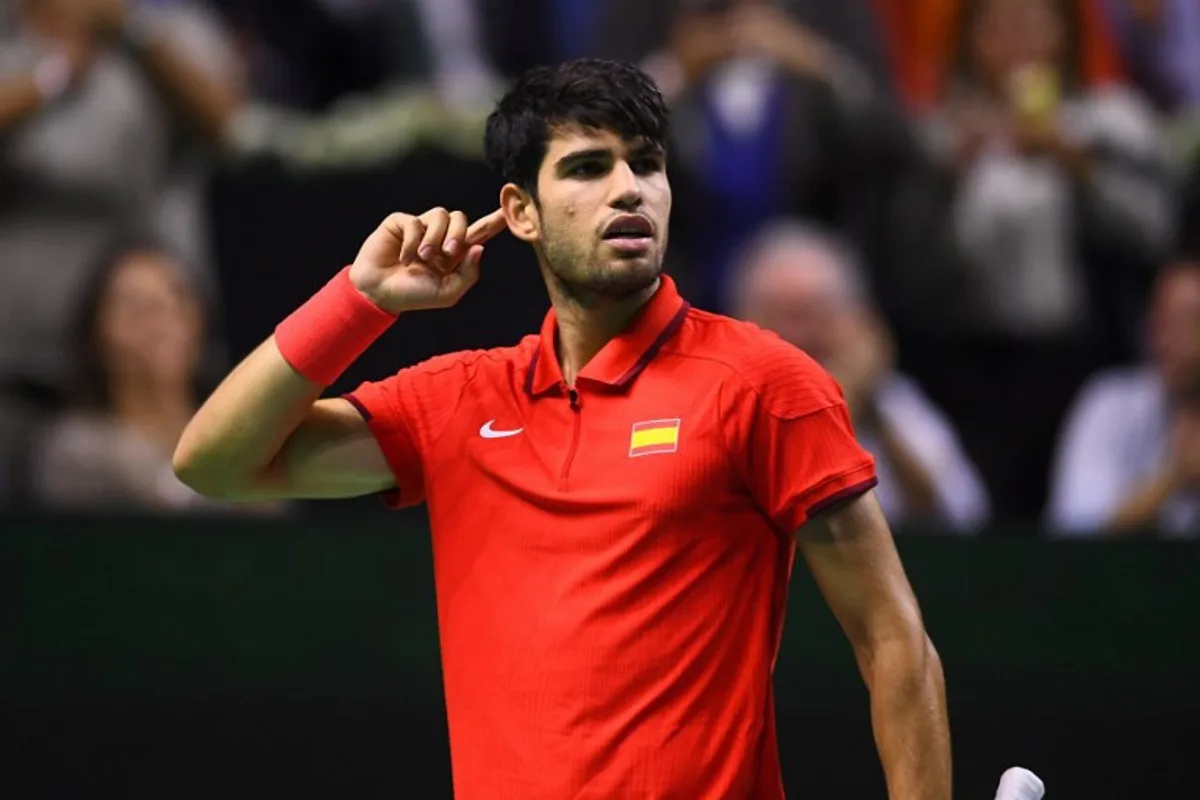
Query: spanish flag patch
[[654, 436]]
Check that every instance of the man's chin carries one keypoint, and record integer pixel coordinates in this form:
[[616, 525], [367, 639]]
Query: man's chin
[[612, 279], [626, 277]]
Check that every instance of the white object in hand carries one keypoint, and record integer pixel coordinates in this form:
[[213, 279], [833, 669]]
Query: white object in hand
[[1018, 783]]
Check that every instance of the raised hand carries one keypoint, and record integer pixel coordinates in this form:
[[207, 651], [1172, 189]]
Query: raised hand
[[413, 263]]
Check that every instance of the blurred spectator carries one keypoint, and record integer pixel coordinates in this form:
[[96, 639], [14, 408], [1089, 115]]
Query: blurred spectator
[[769, 119], [103, 106], [1129, 454], [924, 35], [807, 287], [308, 54], [1044, 170], [138, 345], [458, 66], [1160, 41], [1056, 204], [435, 90], [305, 54], [637, 30]]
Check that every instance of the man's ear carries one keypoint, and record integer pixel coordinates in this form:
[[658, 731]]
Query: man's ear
[[522, 213]]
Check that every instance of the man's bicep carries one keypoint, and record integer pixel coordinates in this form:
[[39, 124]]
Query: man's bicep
[[851, 554], [332, 454]]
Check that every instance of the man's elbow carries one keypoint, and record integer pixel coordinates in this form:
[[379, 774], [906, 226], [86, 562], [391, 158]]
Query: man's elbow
[[191, 471], [202, 475]]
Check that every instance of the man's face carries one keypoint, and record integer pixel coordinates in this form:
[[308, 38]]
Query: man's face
[[794, 293], [1175, 331], [603, 210]]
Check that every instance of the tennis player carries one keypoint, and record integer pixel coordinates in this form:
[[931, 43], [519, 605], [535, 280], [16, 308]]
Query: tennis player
[[615, 502]]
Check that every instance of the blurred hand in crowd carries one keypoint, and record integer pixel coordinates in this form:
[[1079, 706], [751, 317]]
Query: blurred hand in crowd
[[977, 124], [763, 29], [1185, 448], [863, 356], [1175, 333], [712, 33], [105, 17], [1175, 342], [701, 42], [60, 23], [1016, 96]]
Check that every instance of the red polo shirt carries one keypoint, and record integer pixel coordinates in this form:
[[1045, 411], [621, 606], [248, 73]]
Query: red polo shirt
[[612, 561]]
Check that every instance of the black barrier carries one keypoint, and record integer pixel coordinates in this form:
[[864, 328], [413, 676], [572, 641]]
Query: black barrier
[[230, 658]]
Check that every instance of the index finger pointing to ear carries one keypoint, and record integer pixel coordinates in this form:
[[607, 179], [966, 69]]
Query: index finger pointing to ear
[[487, 227]]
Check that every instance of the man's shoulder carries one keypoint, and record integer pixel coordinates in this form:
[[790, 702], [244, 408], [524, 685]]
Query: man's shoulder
[[469, 365], [436, 384], [752, 360]]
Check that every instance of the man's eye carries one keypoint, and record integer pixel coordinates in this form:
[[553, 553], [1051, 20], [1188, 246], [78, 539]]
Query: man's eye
[[647, 166], [587, 169]]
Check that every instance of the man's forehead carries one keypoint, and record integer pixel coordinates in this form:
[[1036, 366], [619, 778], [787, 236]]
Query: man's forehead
[[573, 136]]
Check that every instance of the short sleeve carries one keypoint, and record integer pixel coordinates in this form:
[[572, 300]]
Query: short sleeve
[[407, 414], [791, 436]]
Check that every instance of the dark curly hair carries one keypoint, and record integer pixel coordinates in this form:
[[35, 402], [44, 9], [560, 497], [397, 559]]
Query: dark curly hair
[[591, 93]]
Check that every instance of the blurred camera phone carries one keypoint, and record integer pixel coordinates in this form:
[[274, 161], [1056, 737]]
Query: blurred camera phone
[[1034, 92]]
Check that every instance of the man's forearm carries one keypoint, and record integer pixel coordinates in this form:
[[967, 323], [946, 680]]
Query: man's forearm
[[908, 714], [233, 448]]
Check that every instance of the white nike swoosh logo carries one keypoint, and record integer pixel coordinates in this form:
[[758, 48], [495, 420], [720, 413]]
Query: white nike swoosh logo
[[488, 432]]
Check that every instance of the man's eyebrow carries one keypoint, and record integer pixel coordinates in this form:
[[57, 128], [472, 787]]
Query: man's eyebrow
[[583, 155], [643, 149]]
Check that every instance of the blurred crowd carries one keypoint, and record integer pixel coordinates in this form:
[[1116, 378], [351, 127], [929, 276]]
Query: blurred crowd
[[979, 215]]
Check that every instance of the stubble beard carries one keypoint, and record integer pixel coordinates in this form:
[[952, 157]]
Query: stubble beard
[[586, 278]]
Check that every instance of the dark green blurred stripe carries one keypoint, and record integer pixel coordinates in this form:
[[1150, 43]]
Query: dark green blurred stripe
[[344, 608]]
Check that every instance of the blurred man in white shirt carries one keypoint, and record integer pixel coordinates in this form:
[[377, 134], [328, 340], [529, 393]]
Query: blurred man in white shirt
[[1129, 453]]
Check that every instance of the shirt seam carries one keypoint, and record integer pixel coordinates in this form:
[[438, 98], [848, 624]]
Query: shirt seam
[[471, 364], [472, 367], [750, 384]]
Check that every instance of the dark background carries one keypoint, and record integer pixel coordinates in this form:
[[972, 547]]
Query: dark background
[[280, 237], [234, 658]]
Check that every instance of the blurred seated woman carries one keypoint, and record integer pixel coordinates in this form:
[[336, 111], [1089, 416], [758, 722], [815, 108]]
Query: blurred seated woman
[[138, 346]]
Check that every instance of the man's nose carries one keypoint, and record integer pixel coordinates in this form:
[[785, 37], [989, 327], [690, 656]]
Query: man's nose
[[626, 192]]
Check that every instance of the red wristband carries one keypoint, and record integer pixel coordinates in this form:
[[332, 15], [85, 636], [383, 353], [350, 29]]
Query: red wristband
[[323, 337]]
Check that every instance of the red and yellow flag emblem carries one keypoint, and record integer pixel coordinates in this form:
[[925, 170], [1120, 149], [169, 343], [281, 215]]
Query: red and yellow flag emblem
[[654, 436]]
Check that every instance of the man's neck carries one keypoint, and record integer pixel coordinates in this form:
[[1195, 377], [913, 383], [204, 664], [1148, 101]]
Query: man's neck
[[585, 325]]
